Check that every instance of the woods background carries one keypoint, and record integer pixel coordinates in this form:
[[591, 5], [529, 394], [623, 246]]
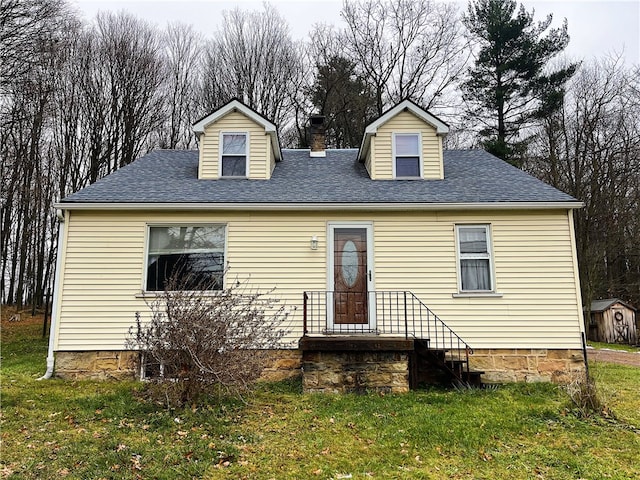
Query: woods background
[[79, 100]]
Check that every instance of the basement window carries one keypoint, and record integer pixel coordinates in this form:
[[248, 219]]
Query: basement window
[[193, 255]]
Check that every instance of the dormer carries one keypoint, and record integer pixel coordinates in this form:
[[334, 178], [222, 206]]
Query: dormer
[[405, 143], [236, 142]]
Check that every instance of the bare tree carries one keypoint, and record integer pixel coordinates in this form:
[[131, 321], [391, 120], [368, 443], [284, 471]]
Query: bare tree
[[591, 150], [23, 26], [81, 104], [36, 31], [182, 48], [123, 71], [406, 49], [254, 59]]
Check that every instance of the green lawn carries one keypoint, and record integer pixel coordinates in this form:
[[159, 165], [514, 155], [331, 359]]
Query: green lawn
[[92, 430]]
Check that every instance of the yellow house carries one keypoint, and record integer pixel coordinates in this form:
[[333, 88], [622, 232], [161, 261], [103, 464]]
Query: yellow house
[[398, 254]]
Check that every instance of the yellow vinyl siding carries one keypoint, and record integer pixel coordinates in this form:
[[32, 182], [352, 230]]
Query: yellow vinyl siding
[[260, 156], [406, 122], [535, 272]]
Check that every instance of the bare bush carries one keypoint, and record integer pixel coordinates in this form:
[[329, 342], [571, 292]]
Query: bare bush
[[586, 399], [206, 341]]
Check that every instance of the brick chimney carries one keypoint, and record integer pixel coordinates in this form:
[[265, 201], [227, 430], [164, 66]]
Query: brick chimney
[[317, 139]]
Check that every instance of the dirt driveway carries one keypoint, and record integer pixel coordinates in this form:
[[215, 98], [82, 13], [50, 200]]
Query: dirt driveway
[[614, 356]]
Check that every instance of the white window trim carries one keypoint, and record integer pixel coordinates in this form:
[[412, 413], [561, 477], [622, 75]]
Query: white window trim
[[220, 152], [489, 255], [144, 293], [393, 154]]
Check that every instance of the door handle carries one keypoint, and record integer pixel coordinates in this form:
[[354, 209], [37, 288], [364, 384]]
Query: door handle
[[369, 275]]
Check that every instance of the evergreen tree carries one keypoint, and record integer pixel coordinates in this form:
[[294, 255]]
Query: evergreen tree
[[511, 84], [344, 99]]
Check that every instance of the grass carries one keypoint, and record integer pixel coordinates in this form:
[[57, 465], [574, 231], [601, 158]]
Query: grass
[[87, 429], [613, 346]]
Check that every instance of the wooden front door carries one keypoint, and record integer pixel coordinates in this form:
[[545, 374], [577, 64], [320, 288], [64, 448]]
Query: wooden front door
[[350, 276]]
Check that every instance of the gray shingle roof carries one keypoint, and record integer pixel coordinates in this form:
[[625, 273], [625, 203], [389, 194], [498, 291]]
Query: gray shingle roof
[[170, 176], [602, 305]]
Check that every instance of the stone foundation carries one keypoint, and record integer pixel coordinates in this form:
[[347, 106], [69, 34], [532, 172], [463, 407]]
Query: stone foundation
[[97, 365], [355, 372], [507, 365], [282, 364], [119, 365]]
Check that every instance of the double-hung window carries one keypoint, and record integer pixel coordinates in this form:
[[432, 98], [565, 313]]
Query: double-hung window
[[474, 257], [185, 257], [406, 151], [233, 158]]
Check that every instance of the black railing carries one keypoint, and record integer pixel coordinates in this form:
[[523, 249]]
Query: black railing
[[392, 313]]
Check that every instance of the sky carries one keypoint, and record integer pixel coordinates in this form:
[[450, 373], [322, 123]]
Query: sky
[[596, 27]]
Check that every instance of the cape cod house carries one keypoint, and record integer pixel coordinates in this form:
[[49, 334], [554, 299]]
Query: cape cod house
[[392, 258]]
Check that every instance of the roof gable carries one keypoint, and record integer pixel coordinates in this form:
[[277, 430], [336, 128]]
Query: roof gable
[[371, 130], [236, 105], [604, 304], [407, 105]]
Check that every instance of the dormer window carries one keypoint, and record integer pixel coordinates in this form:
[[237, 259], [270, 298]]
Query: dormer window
[[407, 155], [233, 161]]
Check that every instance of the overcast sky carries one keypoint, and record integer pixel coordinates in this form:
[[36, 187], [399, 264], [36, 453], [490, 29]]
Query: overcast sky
[[596, 27]]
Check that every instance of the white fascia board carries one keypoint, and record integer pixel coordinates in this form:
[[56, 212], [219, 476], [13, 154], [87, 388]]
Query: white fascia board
[[275, 145], [364, 146], [234, 105], [441, 127], [323, 206]]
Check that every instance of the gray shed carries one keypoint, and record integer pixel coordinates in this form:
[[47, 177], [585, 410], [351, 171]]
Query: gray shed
[[613, 321]]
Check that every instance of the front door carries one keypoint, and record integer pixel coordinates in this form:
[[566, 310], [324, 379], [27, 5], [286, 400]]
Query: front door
[[351, 277]]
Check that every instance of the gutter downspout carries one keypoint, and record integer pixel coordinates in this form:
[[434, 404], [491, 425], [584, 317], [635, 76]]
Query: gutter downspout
[[54, 303]]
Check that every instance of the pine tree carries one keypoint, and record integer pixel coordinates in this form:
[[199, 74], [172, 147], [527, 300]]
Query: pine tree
[[511, 83], [346, 101]]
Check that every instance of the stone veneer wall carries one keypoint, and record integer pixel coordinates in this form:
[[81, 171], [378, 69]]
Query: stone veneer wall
[[98, 365], [349, 372], [506, 365], [103, 365], [282, 364]]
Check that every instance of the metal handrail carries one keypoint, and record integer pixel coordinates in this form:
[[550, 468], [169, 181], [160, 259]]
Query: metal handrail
[[399, 313]]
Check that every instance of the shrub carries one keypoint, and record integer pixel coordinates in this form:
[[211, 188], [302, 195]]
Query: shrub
[[585, 396], [205, 341]]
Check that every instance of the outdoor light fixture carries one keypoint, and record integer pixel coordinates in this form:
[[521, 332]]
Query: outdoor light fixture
[[314, 242]]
